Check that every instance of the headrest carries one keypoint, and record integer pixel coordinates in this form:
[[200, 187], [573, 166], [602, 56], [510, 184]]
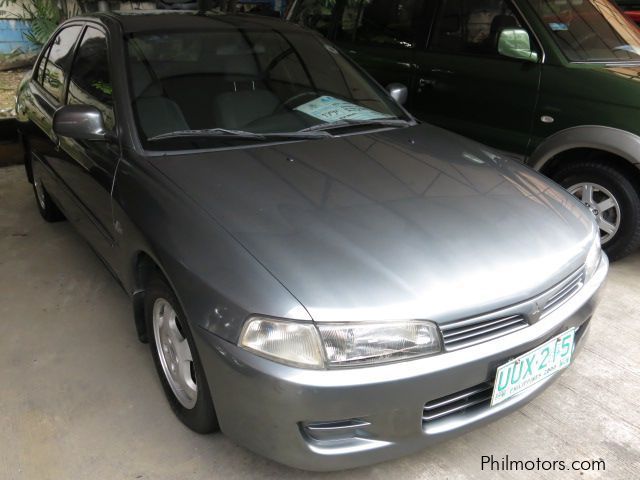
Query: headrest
[[501, 22], [239, 68]]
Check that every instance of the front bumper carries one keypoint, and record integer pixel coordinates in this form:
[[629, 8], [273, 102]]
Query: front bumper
[[336, 419]]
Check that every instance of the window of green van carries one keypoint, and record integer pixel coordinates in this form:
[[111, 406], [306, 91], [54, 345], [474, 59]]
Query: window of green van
[[389, 23], [590, 30], [472, 26]]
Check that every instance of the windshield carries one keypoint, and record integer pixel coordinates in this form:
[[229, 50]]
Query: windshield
[[590, 30], [221, 87]]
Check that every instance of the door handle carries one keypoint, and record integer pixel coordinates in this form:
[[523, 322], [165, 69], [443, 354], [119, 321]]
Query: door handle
[[426, 82], [442, 71]]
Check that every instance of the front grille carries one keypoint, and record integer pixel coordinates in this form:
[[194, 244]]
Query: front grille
[[458, 403], [476, 330], [564, 291]]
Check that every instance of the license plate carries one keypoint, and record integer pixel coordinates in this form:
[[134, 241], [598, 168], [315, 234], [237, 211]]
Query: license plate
[[530, 368]]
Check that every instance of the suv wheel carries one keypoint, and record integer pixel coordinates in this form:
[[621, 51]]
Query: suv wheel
[[612, 199]]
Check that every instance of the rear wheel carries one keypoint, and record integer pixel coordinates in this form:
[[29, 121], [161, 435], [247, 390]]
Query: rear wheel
[[176, 359], [611, 198], [48, 210]]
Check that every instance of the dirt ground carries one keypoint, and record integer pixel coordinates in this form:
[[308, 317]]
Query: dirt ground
[[8, 84]]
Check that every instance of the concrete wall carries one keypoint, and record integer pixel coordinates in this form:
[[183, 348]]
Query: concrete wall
[[12, 30], [11, 36], [13, 9]]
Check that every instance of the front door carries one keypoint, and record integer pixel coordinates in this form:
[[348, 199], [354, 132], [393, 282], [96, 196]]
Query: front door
[[92, 164], [463, 84]]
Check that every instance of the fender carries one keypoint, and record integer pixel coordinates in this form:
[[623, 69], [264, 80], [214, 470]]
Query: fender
[[613, 140]]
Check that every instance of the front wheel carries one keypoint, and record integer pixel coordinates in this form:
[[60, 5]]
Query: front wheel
[[611, 198], [176, 359]]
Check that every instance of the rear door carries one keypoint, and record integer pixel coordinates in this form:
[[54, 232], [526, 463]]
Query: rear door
[[380, 35], [464, 85], [47, 92]]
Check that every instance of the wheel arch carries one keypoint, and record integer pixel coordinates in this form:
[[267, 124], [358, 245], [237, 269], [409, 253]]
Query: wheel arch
[[572, 144], [574, 155], [26, 154], [144, 266]]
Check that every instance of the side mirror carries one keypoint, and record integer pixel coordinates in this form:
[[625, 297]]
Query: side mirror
[[80, 122], [398, 92], [515, 43]]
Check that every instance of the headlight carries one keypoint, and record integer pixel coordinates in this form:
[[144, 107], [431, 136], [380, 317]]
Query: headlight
[[289, 342], [593, 259], [339, 344], [366, 343]]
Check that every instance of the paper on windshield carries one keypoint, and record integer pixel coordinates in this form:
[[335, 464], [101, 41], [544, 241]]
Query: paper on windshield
[[330, 109]]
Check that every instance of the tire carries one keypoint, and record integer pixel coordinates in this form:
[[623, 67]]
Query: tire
[[47, 208], [606, 181], [194, 409]]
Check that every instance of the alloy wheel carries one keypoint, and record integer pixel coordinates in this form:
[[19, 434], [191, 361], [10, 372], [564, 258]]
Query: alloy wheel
[[174, 353], [602, 204]]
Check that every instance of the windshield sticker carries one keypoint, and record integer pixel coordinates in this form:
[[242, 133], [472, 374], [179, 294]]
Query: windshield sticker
[[330, 109], [559, 27]]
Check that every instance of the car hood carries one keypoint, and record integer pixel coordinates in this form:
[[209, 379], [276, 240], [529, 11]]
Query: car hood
[[399, 224]]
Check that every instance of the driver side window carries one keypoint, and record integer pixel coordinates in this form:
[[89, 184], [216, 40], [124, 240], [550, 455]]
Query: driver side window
[[472, 26], [90, 82]]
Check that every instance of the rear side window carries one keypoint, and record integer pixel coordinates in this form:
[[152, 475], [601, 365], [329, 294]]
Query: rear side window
[[391, 23], [90, 82], [58, 61], [472, 26], [43, 62]]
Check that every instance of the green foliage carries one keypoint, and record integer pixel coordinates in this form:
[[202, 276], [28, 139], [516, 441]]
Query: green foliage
[[43, 15], [104, 87]]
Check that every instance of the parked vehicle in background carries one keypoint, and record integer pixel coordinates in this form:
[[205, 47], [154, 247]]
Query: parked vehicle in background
[[631, 9], [177, 4], [555, 83], [327, 281]]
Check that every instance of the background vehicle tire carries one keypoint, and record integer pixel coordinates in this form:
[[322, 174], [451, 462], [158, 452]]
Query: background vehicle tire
[[611, 197], [48, 210], [176, 358]]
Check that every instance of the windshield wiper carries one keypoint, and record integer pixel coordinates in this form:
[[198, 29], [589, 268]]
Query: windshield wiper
[[383, 122], [240, 134], [209, 132]]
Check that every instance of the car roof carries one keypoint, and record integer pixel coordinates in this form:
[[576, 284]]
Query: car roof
[[157, 20]]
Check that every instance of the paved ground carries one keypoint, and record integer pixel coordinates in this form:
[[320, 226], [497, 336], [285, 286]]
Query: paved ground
[[79, 397], [9, 81]]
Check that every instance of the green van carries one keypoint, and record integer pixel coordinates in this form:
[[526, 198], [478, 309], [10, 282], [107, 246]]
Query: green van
[[555, 83]]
